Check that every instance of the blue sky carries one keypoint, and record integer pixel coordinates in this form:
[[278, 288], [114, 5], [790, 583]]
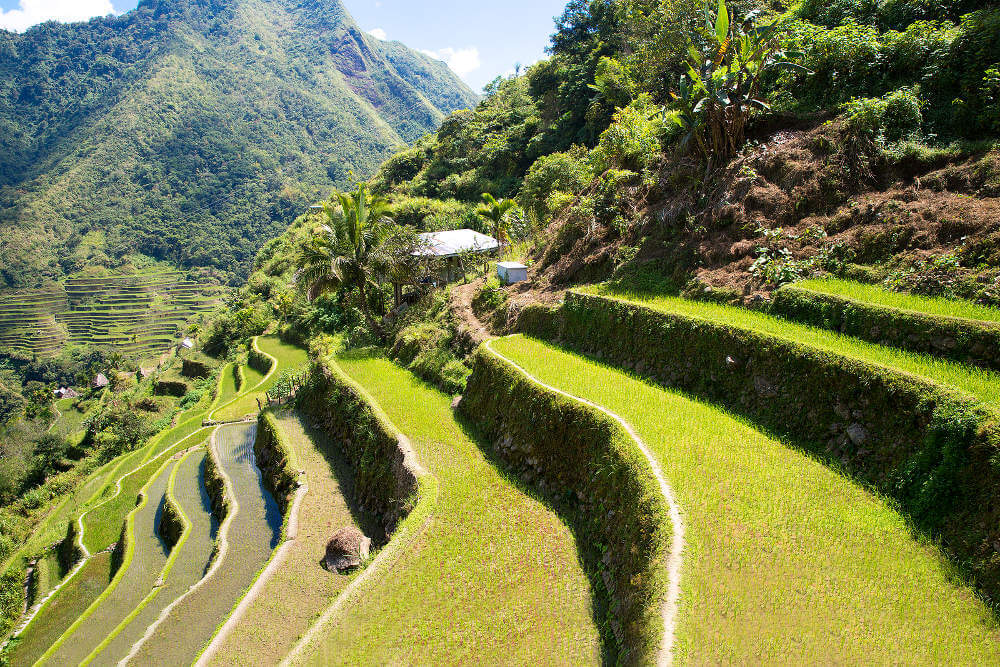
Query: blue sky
[[480, 40]]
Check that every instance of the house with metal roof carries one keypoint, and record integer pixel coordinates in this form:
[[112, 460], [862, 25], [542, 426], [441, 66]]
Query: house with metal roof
[[446, 252]]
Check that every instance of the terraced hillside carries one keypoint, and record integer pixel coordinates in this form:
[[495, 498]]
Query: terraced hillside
[[785, 560], [491, 574], [139, 314], [133, 579], [28, 323]]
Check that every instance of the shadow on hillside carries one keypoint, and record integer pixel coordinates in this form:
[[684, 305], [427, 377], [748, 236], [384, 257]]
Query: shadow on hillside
[[344, 475], [590, 557]]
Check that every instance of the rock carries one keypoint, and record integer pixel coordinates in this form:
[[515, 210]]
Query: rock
[[857, 434], [347, 549], [763, 387]]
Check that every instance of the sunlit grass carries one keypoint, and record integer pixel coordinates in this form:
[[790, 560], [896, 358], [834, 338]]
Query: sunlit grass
[[256, 384], [786, 561], [495, 578], [64, 608], [252, 534], [982, 384], [879, 296]]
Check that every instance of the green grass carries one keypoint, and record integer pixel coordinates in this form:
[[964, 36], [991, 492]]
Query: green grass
[[62, 610], [70, 420], [494, 578], [875, 295], [188, 560], [785, 560], [300, 589], [982, 384], [252, 534], [145, 556], [256, 385]]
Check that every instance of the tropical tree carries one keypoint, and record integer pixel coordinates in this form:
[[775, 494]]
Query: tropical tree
[[494, 214], [722, 88], [358, 249]]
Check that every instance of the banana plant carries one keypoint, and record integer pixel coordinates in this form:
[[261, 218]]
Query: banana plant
[[722, 87]]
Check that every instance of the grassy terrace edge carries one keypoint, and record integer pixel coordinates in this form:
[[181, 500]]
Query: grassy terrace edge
[[348, 413], [930, 448], [588, 466], [127, 545], [872, 314], [174, 517]]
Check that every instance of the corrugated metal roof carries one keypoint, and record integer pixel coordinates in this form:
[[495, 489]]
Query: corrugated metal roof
[[455, 242]]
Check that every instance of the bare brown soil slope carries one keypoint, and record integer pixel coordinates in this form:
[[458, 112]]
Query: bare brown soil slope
[[814, 199]]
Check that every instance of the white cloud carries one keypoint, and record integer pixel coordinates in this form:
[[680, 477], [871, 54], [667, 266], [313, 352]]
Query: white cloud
[[378, 33], [32, 12], [461, 61]]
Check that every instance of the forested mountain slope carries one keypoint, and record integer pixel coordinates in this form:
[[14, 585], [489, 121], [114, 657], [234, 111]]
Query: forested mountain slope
[[192, 130]]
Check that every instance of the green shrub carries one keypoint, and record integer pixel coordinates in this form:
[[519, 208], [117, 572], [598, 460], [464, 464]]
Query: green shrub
[[633, 139], [553, 179], [893, 117]]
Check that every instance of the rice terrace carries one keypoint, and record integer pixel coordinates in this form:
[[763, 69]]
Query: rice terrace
[[329, 338]]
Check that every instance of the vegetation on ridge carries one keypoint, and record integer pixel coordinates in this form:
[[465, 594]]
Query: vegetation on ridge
[[197, 129]]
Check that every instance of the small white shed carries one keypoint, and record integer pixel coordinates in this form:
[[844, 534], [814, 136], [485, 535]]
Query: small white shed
[[511, 272]]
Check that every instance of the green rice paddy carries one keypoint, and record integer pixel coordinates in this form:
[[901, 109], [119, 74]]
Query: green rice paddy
[[144, 559], [494, 577], [251, 533], [188, 561], [300, 590], [879, 296], [256, 385], [65, 607], [982, 384], [785, 561]]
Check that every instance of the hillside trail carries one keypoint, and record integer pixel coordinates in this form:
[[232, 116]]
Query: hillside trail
[[461, 297], [670, 603]]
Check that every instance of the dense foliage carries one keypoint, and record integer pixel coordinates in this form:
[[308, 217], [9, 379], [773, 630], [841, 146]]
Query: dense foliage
[[193, 131]]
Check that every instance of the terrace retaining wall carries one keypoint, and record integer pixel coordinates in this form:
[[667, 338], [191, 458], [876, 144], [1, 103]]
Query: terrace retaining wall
[[966, 341], [274, 458], [588, 467], [934, 450], [385, 467]]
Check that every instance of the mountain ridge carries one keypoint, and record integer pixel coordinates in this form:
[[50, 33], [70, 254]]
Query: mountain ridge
[[192, 131]]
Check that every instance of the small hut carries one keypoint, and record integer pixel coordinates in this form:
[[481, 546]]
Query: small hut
[[100, 381], [445, 250], [187, 344]]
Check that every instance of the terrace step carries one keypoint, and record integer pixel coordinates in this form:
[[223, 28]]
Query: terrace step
[[819, 569], [144, 559], [949, 328], [191, 557], [248, 536]]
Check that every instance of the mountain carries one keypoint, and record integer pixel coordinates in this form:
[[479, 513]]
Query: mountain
[[192, 130]]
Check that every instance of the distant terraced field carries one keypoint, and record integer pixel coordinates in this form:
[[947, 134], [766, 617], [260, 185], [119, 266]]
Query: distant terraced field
[[139, 314]]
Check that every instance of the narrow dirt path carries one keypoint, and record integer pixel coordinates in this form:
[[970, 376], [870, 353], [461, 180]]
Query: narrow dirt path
[[669, 612], [461, 297]]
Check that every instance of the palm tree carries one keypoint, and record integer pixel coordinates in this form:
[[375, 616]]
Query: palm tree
[[356, 250], [494, 213]]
